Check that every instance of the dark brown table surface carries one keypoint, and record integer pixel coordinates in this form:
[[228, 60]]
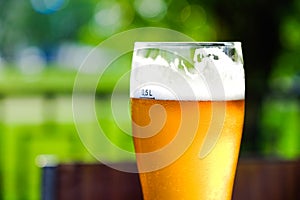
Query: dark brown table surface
[[256, 179]]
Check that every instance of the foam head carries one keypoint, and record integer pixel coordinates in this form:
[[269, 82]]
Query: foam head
[[187, 71]]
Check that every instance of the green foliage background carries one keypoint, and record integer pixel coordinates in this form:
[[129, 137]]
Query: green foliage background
[[270, 38]]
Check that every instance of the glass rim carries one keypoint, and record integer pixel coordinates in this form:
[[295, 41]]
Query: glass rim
[[187, 44]]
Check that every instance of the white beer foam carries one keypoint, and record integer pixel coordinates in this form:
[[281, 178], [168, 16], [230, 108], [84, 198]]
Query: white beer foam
[[216, 77]]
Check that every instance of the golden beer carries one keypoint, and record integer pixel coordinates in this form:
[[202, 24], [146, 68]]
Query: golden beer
[[190, 177], [187, 104]]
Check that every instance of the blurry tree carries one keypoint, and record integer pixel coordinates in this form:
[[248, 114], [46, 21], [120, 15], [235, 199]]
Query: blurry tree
[[31, 23], [269, 32], [192, 19], [281, 115], [58, 26], [257, 25], [264, 28], [12, 25]]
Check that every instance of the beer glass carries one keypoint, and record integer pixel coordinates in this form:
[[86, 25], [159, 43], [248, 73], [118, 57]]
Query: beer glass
[[187, 106]]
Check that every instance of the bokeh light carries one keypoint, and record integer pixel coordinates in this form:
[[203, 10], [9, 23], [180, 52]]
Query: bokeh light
[[31, 60], [111, 17], [290, 33], [193, 16], [151, 9], [48, 6], [43, 44]]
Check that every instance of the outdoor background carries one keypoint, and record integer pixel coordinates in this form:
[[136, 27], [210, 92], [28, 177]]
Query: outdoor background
[[43, 43]]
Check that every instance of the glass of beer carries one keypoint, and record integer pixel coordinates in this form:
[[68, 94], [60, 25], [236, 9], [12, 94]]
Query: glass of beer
[[187, 107]]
